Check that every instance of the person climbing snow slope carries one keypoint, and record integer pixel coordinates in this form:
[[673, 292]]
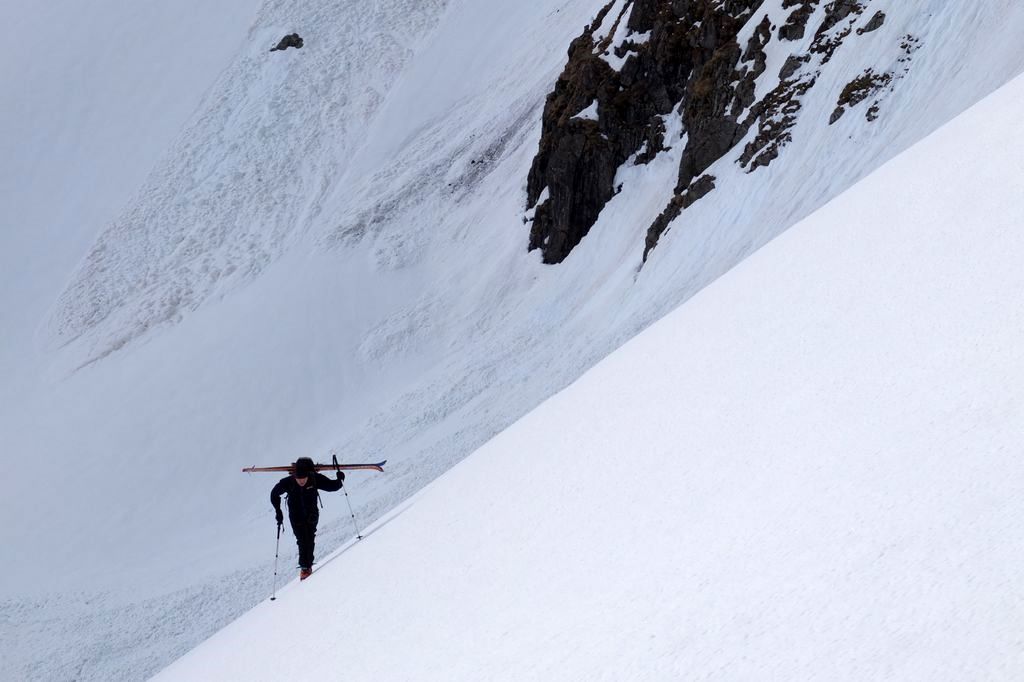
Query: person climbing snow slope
[[302, 487]]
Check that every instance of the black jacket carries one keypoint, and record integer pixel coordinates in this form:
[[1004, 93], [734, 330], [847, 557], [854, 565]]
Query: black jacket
[[302, 501]]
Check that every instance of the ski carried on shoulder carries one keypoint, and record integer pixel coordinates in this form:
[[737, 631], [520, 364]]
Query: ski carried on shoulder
[[288, 468]]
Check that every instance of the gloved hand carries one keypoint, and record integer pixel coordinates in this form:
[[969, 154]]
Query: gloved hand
[[279, 515], [341, 475]]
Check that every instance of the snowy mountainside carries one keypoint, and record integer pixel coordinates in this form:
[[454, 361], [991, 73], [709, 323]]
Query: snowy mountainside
[[823, 484], [332, 255], [249, 174], [97, 93], [747, 85]]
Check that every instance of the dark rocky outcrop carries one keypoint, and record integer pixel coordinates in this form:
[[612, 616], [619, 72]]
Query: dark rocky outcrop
[[858, 90], [775, 115], [796, 25], [792, 65], [679, 203], [826, 42], [837, 11], [874, 23], [872, 85], [677, 65], [687, 58], [290, 40], [756, 63]]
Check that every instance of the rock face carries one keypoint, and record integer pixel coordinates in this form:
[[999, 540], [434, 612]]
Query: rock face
[[290, 40], [642, 64], [858, 90], [874, 24], [870, 84], [675, 53]]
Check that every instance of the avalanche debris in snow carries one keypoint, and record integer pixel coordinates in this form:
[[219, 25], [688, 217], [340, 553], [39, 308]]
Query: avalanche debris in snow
[[247, 177]]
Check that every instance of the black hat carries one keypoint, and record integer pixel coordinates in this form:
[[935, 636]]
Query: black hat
[[303, 467]]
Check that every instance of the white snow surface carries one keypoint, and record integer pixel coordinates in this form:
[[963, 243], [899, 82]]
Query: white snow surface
[[589, 113], [213, 256], [809, 471]]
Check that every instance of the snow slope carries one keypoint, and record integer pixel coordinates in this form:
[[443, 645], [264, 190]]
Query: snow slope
[[328, 252], [809, 471], [95, 93]]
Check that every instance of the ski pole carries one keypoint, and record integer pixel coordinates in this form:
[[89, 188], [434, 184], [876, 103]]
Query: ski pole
[[359, 534], [277, 551], [355, 524]]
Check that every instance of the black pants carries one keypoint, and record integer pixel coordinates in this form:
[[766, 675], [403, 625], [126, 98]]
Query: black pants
[[305, 537]]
